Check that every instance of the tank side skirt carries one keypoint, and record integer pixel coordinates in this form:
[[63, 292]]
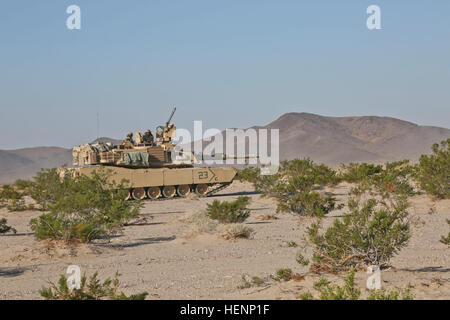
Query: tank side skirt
[[172, 177]]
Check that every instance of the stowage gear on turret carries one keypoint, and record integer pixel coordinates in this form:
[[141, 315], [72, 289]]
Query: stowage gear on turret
[[144, 151]]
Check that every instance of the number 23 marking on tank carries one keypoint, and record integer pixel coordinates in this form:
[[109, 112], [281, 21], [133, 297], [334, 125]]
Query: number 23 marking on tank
[[203, 175]]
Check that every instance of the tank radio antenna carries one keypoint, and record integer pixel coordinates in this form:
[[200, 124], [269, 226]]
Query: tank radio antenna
[[98, 125]]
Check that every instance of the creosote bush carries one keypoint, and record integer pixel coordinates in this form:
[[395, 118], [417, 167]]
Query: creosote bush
[[433, 171], [249, 174], [301, 260], [348, 291], [370, 233], [385, 294], [295, 197], [296, 187], [446, 240], [4, 228], [13, 197], [229, 212], [254, 281], [9, 192], [334, 292], [83, 208], [283, 274], [93, 289], [393, 179], [357, 172]]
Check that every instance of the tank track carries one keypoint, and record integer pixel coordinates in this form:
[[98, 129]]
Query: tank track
[[209, 193]]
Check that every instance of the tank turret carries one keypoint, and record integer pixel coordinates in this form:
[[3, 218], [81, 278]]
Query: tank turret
[[140, 151]]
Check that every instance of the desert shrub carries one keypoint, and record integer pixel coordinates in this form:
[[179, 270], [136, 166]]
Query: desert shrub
[[18, 205], [395, 178], [295, 186], [22, 184], [384, 294], [92, 290], [254, 281], [236, 231], [357, 172], [295, 197], [48, 187], [292, 244], [4, 228], [283, 274], [8, 192], [306, 296], [314, 175], [328, 291], [390, 181], [446, 240], [45, 189], [266, 184], [349, 292], [301, 259], [257, 281], [245, 284], [366, 235], [229, 212], [335, 292], [433, 171], [91, 207], [200, 220], [13, 198], [249, 174]]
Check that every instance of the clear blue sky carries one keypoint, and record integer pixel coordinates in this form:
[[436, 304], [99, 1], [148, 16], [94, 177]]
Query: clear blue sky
[[230, 63]]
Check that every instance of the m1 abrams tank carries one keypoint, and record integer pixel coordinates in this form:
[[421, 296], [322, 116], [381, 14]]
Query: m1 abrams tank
[[152, 167]]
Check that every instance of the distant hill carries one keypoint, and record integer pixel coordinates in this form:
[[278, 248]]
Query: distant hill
[[106, 140], [24, 163], [329, 140], [335, 140]]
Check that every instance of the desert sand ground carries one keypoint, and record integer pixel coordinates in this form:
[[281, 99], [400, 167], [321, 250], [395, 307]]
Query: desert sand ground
[[165, 257]]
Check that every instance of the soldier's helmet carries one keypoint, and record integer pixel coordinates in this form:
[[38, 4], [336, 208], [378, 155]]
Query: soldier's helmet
[[148, 132]]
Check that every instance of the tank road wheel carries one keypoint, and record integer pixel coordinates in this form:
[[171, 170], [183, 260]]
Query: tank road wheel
[[128, 195], [154, 193], [183, 190], [169, 191], [138, 193], [201, 189]]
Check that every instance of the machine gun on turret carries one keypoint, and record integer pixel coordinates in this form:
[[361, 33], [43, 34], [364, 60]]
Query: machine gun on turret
[[164, 134]]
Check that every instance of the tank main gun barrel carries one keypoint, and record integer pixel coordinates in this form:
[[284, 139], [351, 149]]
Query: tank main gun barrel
[[233, 156], [227, 156]]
